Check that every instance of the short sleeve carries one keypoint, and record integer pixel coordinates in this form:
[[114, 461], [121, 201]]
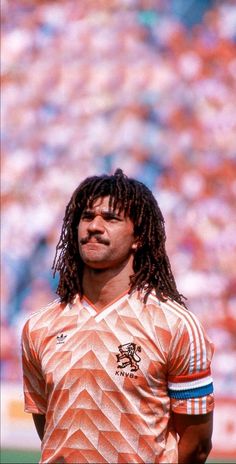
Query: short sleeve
[[190, 385], [33, 382]]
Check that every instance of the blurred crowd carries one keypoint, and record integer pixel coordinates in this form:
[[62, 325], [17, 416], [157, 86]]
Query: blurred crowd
[[94, 85]]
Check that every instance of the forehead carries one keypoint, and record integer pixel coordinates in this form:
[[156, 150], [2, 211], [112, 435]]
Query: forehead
[[100, 204]]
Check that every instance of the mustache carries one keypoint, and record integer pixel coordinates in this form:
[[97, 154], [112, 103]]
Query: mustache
[[98, 238]]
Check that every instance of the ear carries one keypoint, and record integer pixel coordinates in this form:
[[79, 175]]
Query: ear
[[135, 245]]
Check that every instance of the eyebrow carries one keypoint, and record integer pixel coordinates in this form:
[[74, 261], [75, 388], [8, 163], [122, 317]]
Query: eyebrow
[[105, 213]]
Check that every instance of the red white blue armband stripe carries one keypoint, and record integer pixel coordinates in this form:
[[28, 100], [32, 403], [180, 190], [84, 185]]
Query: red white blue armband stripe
[[190, 386]]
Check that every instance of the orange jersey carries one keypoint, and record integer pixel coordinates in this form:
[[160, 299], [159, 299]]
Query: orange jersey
[[107, 381]]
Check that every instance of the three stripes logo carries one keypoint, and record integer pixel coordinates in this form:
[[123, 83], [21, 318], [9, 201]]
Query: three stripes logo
[[61, 339]]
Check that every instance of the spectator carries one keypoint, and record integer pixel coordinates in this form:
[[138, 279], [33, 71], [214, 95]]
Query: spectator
[[88, 87]]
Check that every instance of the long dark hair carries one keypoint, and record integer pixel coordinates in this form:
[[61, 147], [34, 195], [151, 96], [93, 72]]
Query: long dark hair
[[152, 270]]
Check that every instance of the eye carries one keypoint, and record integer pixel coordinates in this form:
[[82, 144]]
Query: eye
[[111, 217], [87, 216]]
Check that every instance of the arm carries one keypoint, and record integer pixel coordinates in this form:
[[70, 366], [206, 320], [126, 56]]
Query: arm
[[190, 388], [194, 437], [39, 422], [33, 381]]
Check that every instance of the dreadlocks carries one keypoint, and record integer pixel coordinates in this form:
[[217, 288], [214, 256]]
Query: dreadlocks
[[152, 270]]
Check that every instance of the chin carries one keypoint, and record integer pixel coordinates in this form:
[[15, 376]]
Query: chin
[[97, 267], [95, 264]]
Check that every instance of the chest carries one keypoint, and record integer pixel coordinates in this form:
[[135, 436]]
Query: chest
[[118, 352]]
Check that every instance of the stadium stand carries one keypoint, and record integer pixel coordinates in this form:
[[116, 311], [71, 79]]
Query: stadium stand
[[90, 86]]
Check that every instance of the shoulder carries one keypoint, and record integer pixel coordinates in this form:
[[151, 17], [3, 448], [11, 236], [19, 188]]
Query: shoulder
[[186, 330], [177, 316], [38, 325], [43, 316], [170, 308], [171, 316]]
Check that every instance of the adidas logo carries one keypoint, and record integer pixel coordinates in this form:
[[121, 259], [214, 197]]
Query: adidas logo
[[61, 338]]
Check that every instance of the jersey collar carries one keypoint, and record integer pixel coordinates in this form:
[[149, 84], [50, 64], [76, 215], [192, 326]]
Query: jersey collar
[[100, 314]]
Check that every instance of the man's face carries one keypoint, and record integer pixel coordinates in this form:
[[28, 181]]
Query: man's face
[[106, 238]]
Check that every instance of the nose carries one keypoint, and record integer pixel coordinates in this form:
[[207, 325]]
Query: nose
[[96, 225]]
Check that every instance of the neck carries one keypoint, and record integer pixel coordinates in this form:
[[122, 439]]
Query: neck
[[102, 287]]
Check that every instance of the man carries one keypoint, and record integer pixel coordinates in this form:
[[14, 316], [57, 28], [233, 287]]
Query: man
[[117, 370]]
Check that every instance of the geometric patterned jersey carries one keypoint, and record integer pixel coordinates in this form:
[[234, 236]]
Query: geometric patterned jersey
[[108, 380]]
